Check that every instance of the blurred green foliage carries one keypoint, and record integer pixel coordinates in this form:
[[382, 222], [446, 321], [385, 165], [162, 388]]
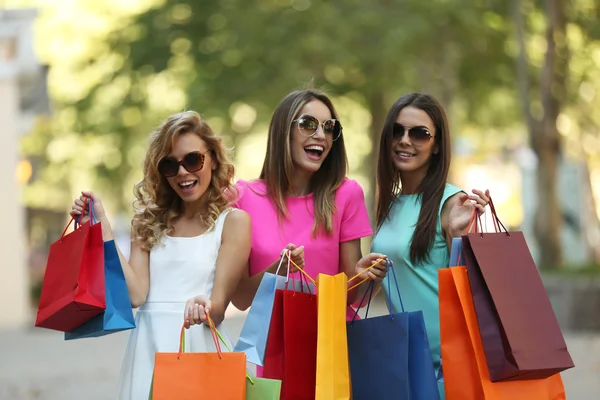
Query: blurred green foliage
[[120, 67]]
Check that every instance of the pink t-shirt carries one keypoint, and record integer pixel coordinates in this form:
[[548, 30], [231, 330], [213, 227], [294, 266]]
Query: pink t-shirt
[[321, 253]]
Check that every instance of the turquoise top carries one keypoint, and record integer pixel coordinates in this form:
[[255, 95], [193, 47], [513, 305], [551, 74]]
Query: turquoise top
[[418, 283]]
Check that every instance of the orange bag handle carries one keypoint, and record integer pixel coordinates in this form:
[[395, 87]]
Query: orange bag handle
[[303, 272], [365, 279], [349, 280], [216, 336], [222, 339], [211, 326]]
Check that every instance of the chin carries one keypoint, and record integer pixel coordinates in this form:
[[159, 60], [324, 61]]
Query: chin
[[403, 167], [310, 167]]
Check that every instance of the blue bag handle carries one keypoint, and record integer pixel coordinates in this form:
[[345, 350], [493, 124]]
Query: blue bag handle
[[89, 205], [369, 291], [389, 296]]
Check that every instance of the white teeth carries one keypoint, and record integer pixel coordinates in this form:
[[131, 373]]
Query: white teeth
[[405, 154], [314, 147], [186, 184]]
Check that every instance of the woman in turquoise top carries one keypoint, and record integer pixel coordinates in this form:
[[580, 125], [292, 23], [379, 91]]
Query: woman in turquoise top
[[418, 212]]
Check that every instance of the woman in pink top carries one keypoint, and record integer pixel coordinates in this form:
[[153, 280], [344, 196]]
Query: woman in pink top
[[303, 201]]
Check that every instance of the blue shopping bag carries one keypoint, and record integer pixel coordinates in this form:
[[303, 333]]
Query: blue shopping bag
[[422, 377], [389, 355], [253, 337], [118, 315], [456, 252]]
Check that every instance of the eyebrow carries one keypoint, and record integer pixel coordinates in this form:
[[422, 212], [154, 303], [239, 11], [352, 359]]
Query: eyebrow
[[414, 126]]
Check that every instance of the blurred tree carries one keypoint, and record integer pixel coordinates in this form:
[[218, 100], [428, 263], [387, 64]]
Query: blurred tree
[[544, 135], [130, 64], [236, 59]]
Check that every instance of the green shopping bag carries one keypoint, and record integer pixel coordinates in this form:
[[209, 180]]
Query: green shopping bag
[[263, 389], [258, 388]]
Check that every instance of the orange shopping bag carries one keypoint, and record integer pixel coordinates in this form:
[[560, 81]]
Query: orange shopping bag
[[466, 375], [189, 376]]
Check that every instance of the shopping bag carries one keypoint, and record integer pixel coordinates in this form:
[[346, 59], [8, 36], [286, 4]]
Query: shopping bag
[[73, 289], [186, 376], [455, 252], [118, 315], [466, 376], [253, 336], [519, 330], [263, 389], [291, 352], [333, 375], [390, 355], [257, 388], [456, 255]]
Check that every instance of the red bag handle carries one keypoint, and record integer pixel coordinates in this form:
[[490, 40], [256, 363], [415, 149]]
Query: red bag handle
[[78, 218], [498, 224]]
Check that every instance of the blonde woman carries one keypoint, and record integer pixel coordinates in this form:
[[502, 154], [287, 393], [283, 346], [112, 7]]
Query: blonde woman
[[189, 248]]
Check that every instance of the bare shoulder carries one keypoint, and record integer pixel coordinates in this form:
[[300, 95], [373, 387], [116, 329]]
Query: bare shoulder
[[236, 220]]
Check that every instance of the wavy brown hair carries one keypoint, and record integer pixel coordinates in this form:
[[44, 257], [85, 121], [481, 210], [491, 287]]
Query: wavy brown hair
[[431, 189], [277, 170], [157, 205]]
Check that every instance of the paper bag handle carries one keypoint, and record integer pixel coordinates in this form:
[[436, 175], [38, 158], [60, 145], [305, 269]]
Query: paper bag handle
[[76, 220], [367, 278]]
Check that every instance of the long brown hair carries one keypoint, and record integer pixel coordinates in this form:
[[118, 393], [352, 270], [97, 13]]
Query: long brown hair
[[277, 170], [431, 189], [157, 205]]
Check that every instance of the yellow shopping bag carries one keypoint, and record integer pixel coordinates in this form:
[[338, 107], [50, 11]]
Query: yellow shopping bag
[[333, 375]]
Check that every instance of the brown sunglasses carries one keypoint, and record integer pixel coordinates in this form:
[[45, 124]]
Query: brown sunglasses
[[418, 134], [192, 162]]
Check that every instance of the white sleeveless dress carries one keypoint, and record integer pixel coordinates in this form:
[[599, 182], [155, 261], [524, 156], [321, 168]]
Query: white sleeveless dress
[[180, 268]]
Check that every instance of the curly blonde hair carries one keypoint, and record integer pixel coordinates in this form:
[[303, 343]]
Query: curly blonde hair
[[157, 205]]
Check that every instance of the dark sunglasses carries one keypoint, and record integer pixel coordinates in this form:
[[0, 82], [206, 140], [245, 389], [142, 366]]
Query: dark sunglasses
[[309, 125], [192, 162], [416, 133]]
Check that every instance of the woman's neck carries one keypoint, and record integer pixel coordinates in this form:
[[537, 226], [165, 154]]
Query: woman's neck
[[299, 184], [191, 210], [411, 181]]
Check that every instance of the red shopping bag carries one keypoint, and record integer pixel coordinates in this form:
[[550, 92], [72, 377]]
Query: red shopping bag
[[73, 288], [520, 333], [291, 353]]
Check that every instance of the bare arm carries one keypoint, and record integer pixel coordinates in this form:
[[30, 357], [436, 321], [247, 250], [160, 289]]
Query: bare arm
[[232, 261], [444, 218]]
